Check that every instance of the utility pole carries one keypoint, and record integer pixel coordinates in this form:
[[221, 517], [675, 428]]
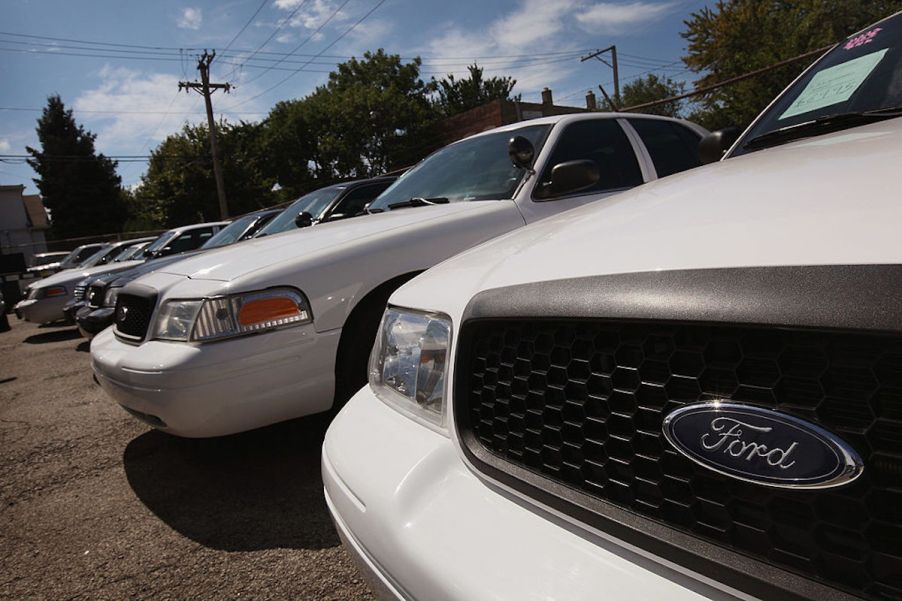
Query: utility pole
[[205, 88], [613, 65]]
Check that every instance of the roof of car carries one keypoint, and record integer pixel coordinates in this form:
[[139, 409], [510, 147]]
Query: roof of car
[[573, 117]]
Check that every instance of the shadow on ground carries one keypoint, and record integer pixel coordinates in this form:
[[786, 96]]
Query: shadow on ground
[[53, 336], [258, 490], [84, 347]]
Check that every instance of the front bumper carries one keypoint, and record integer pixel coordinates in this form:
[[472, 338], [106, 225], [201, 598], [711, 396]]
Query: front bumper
[[71, 308], [93, 321], [219, 388], [42, 310], [422, 525]]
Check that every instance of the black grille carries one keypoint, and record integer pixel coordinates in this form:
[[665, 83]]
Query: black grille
[[581, 403], [132, 315], [95, 295]]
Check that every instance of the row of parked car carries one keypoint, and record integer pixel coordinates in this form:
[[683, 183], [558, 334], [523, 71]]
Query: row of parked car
[[594, 368]]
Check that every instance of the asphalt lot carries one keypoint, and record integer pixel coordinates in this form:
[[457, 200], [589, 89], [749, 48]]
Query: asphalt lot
[[94, 505]]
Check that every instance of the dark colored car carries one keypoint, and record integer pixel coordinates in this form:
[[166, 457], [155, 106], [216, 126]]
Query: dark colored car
[[96, 311], [332, 203]]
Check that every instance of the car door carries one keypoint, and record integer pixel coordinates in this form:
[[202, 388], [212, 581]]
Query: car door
[[603, 141]]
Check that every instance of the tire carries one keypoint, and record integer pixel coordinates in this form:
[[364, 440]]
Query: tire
[[354, 350]]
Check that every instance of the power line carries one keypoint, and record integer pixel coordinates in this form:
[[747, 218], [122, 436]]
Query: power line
[[731, 80], [335, 41], [299, 46], [237, 52], [249, 21], [116, 112], [281, 25]]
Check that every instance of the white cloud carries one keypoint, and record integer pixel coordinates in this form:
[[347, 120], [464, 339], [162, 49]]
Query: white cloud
[[610, 17], [5, 146], [535, 27], [136, 110], [191, 18], [312, 14]]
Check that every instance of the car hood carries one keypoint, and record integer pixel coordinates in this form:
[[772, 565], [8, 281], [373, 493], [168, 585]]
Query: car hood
[[232, 262], [122, 278], [824, 200], [76, 275]]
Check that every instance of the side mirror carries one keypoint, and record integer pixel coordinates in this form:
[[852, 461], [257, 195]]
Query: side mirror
[[304, 219], [712, 147], [573, 176], [147, 253], [166, 250], [521, 151]]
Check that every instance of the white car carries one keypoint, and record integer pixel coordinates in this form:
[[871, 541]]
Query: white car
[[693, 392], [45, 299], [240, 338]]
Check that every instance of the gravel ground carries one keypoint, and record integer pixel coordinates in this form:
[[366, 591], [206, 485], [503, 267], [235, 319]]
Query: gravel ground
[[94, 505]]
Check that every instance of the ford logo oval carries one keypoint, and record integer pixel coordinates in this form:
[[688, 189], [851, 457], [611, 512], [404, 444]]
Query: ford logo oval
[[761, 446]]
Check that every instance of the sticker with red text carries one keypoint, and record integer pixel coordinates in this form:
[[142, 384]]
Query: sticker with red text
[[861, 40]]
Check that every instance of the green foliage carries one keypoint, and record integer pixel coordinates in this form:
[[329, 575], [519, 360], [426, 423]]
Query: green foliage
[[368, 118], [455, 96], [737, 36], [651, 88], [79, 186], [179, 187]]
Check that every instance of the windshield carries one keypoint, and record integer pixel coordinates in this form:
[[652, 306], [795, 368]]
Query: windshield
[[314, 203], [231, 233], [475, 169], [862, 74], [98, 258], [129, 251], [160, 242]]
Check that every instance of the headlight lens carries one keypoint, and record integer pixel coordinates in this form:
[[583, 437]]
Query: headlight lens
[[204, 320], [175, 319], [109, 299], [409, 362]]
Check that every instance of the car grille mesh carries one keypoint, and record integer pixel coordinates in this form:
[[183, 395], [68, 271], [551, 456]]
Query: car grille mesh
[[132, 315], [581, 403]]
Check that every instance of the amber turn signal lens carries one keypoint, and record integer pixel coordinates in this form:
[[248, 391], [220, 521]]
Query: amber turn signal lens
[[267, 309]]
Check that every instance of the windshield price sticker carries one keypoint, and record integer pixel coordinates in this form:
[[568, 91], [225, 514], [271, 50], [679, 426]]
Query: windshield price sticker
[[833, 85]]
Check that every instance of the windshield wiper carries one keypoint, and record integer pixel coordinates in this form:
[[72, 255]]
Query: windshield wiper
[[419, 201], [826, 124]]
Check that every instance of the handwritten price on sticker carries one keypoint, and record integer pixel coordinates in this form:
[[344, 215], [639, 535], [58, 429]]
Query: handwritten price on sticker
[[861, 40]]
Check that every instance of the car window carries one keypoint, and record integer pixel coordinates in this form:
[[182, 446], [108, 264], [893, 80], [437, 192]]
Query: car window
[[86, 253], [358, 198], [673, 147], [190, 240], [602, 141], [314, 203], [477, 168], [230, 233]]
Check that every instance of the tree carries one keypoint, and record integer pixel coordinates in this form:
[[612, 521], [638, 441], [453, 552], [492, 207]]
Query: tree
[[179, 187], [651, 88], [455, 96], [738, 36], [371, 115], [79, 186]]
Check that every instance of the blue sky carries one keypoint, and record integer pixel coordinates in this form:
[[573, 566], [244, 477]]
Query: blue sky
[[126, 92]]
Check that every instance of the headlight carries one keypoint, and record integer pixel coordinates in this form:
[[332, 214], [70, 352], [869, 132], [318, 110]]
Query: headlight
[[409, 362], [203, 320], [109, 299]]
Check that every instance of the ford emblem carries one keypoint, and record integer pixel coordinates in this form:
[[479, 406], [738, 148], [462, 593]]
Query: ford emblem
[[761, 446]]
